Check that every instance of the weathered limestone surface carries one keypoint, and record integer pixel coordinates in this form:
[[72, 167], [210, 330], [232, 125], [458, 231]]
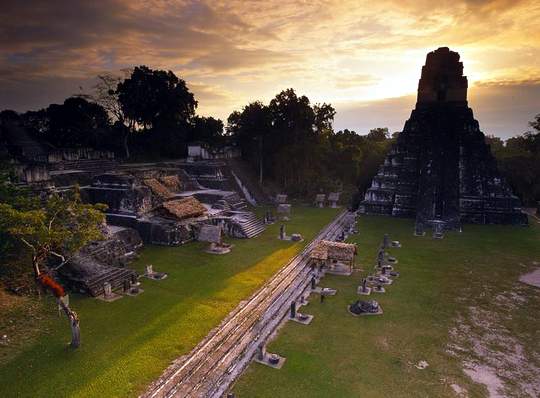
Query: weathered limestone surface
[[441, 169]]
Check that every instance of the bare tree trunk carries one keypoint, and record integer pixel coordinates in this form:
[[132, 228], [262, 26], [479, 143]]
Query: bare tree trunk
[[74, 323], [71, 315], [126, 147]]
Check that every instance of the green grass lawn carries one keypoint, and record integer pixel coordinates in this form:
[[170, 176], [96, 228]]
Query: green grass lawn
[[339, 355], [126, 344]]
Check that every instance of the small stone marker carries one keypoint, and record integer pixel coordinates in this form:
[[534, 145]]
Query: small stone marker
[[273, 359], [284, 210], [386, 241], [319, 199], [262, 352], [149, 270], [333, 198], [265, 358], [438, 230], [281, 198], [296, 238], [380, 258], [282, 234], [293, 309], [151, 274], [419, 229], [364, 289], [379, 288], [107, 290]]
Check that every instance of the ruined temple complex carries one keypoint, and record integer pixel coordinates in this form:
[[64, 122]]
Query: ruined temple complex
[[440, 170], [164, 203]]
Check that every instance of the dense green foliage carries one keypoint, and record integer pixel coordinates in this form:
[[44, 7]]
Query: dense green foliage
[[519, 161], [441, 283], [293, 143], [35, 234], [129, 342]]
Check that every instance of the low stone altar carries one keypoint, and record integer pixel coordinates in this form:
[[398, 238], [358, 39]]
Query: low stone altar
[[362, 308], [319, 200], [212, 234]]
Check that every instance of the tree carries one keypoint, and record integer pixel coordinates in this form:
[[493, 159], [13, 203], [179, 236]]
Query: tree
[[324, 117], [495, 143], [519, 162], [378, 135], [154, 98], [76, 123], [51, 232], [106, 95], [251, 130], [206, 129]]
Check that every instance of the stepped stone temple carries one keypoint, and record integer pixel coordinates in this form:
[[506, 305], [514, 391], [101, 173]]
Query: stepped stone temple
[[440, 170]]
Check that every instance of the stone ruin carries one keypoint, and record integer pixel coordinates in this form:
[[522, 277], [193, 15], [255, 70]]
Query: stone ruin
[[320, 199], [360, 307], [101, 265], [212, 234], [161, 203], [333, 198], [166, 206], [441, 171]]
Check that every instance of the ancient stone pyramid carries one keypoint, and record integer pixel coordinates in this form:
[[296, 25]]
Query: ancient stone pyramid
[[440, 170]]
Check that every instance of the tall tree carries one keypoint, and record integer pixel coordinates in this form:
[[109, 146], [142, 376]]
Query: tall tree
[[251, 130], [106, 95], [155, 98], [207, 129], [75, 123], [51, 232]]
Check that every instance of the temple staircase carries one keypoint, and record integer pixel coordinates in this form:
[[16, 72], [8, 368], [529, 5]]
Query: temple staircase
[[250, 225], [235, 202], [114, 275]]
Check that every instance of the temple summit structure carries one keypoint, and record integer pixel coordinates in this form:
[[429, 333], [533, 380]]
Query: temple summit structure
[[440, 170]]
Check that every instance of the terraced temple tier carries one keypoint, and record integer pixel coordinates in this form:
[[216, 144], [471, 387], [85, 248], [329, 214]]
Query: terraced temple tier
[[440, 170]]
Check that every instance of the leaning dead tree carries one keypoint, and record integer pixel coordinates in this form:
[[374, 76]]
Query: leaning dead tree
[[52, 230]]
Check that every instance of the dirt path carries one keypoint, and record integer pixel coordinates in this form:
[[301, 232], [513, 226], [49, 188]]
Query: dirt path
[[492, 353]]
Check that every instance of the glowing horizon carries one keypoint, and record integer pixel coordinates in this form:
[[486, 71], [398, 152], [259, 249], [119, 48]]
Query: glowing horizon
[[361, 57]]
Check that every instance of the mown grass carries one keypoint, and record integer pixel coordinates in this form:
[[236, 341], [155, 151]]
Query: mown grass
[[129, 342], [339, 355]]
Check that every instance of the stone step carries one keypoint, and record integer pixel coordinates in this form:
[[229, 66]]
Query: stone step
[[116, 277]]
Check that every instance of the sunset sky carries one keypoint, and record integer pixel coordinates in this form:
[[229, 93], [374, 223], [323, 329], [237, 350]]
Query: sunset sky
[[364, 57]]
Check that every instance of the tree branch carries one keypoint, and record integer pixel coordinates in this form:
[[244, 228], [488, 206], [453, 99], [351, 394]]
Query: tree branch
[[29, 245], [63, 258]]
